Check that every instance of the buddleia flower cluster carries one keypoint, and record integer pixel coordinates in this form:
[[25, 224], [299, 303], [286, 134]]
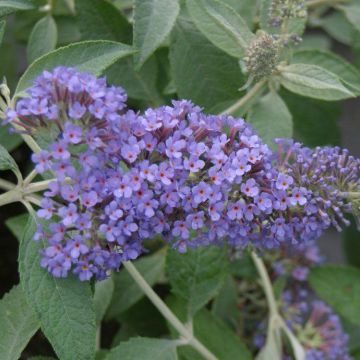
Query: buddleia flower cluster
[[121, 178], [315, 325], [281, 11]]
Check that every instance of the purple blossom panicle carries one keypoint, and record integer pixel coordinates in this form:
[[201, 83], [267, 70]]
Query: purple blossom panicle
[[195, 179]]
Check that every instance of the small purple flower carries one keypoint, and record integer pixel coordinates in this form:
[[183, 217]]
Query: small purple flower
[[235, 210], [42, 161], [264, 202], [298, 196], [59, 151], [250, 188], [77, 110], [201, 192], [165, 174], [196, 220], [180, 229], [193, 164], [300, 273], [123, 188], [76, 248], [284, 181], [130, 152], [47, 210], [72, 133], [68, 214], [110, 230], [174, 147], [215, 211], [98, 109]]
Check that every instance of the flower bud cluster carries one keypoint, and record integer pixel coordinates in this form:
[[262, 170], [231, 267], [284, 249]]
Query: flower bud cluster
[[262, 56], [283, 10], [122, 178]]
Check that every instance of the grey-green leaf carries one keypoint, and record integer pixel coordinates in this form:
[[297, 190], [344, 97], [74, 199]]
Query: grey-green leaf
[[151, 267], [43, 38], [8, 7], [352, 13], [92, 56], [153, 21], [144, 349], [101, 20], [198, 275], [313, 81], [215, 76], [64, 306], [102, 297], [7, 162], [17, 224], [271, 118], [346, 72], [9, 141], [222, 25], [18, 323], [339, 286], [2, 30]]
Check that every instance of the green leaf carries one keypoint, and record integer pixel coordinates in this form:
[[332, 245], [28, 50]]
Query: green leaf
[[213, 333], [153, 21], [9, 141], [217, 75], [64, 306], [315, 41], [41, 358], [352, 13], [352, 244], [8, 7], [101, 20], [151, 267], [311, 117], [198, 275], [2, 30], [92, 56], [16, 225], [271, 118], [222, 25], [102, 297], [337, 26], [339, 286], [139, 84], [144, 349], [7, 162], [43, 38], [18, 323], [346, 72], [313, 81]]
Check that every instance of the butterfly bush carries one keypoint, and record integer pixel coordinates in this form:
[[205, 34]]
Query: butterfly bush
[[316, 326], [121, 178]]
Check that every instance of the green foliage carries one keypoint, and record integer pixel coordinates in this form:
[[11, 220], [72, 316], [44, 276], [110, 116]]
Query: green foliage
[[197, 276], [43, 38], [271, 118], [17, 225], [64, 306], [18, 323], [339, 286], [93, 56], [146, 349], [153, 21], [7, 162], [352, 13], [222, 25], [100, 20], [102, 297], [2, 30], [8, 7], [211, 332], [352, 244], [215, 76], [151, 267], [313, 81]]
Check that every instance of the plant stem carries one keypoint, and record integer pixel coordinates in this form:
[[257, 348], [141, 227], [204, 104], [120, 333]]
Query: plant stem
[[37, 186], [167, 313], [11, 196], [266, 283], [30, 177], [6, 185], [248, 96]]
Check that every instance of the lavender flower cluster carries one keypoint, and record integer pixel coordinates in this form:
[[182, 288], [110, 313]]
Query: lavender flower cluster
[[315, 325], [122, 177]]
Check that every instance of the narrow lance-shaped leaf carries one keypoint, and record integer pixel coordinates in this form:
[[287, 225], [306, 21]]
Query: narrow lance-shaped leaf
[[64, 306], [92, 56], [2, 30], [346, 72], [153, 21], [8, 7], [313, 81], [352, 13], [222, 25], [43, 38], [271, 118], [18, 323]]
